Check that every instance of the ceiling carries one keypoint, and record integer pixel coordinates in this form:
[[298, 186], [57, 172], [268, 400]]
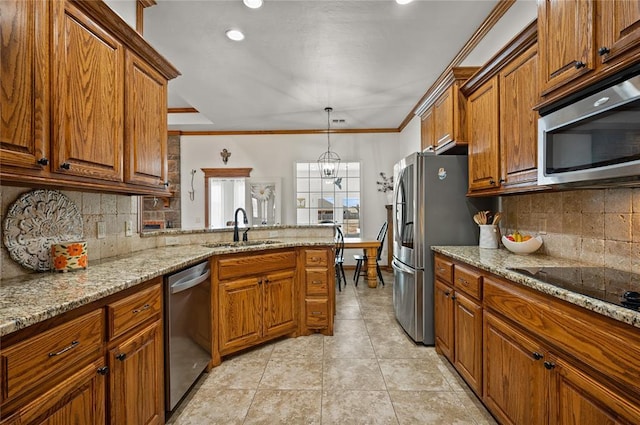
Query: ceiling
[[371, 60]]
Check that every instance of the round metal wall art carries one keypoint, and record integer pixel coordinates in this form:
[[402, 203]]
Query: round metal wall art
[[34, 222]]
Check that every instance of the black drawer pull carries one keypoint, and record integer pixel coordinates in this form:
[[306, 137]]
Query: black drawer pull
[[144, 307], [103, 370], [549, 365], [121, 356], [603, 51], [537, 355], [579, 64], [65, 166], [73, 345]]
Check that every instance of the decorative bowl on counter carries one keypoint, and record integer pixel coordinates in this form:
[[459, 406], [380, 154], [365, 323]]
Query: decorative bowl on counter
[[526, 247]]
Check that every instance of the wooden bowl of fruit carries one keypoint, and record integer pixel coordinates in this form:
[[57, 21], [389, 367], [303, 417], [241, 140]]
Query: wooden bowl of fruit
[[519, 243]]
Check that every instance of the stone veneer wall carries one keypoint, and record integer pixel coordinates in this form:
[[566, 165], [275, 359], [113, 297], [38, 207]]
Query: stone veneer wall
[[599, 226], [159, 212]]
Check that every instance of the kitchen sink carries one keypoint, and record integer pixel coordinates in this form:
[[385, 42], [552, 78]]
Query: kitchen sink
[[240, 243]]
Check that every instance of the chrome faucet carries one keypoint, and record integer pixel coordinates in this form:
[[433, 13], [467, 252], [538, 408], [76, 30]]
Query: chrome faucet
[[236, 234]]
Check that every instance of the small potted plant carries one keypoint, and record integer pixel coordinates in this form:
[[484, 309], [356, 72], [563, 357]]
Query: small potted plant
[[385, 185]]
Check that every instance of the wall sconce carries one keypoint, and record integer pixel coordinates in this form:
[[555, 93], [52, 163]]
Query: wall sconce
[[225, 154]]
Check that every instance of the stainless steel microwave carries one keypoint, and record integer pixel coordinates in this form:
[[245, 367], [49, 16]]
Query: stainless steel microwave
[[595, 140]]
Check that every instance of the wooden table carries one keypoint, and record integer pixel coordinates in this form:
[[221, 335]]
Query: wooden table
[[370, 247]]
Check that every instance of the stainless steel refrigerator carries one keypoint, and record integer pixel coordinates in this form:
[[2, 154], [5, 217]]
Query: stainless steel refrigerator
[[430, 208]]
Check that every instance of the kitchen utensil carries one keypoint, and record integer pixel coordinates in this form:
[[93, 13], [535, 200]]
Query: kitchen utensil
[[496, 218]]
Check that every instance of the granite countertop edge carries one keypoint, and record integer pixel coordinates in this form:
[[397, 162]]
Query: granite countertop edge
[[36, 297], [496, 261]]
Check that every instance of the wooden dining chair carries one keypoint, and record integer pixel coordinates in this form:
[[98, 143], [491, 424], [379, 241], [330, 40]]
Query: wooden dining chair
[[339, 259], [360, 259]]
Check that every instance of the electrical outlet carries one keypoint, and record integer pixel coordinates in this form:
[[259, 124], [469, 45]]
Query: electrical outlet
[[542, 226], [102, 230], [128, 228]]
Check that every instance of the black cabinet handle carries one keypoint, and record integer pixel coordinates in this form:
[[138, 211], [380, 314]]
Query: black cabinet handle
[[447, 293], [65, 166], [143, 308], [549, 365], [492, 182], [537, 355], [501, 181], [453, 297], [579, 64], [260, 282], [165, 184], [266, 281], [43, 161], [603, 51], [121, 356], [103, 370], [71, 346]]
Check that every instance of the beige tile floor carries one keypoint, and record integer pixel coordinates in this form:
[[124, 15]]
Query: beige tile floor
[[368, 372]]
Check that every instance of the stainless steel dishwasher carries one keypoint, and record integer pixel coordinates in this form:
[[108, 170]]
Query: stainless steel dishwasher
[[187, 329]]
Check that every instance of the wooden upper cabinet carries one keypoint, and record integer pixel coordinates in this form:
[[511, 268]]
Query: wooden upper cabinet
[[483, 137], [145, 157], [518, 120], [427, 131], [444, 121], [565, 35], [24, 83], [619, 29], [88, 77]]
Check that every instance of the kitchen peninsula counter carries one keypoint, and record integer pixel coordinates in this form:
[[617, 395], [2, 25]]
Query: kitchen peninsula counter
[[497, 261], [37, 297]]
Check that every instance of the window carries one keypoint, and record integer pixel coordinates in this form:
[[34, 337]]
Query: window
[[329, 200]]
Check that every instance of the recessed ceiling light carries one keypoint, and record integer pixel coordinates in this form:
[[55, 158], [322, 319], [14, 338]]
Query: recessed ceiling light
[[253, 4], [235, 35], [403, 1]]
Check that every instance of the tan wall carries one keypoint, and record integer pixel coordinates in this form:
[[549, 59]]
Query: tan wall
[[597, 226]]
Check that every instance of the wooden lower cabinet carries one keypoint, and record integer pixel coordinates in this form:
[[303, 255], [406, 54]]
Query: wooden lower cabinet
[[252, 306], [78, 400], [467, 354], [136, 380], [576, 398], [515, 381], [533, 359], [444, 319]]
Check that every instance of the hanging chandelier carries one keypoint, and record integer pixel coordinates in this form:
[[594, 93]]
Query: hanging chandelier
[[328, 162]]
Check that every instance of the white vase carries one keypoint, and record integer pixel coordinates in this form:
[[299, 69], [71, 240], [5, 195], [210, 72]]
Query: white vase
[[389, 197]]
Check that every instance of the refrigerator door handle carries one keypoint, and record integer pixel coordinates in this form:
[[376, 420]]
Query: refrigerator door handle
[[402, 268]]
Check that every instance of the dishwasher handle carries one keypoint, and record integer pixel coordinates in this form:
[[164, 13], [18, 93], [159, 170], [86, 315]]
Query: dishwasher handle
[[184, 284]]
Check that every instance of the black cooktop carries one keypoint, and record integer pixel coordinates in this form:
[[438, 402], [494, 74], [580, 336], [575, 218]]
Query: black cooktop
[[603, 283]]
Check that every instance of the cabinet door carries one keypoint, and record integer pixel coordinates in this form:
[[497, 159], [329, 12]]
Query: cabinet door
[[483, 137], [579, 399], [146, 124], [279, 304], [78, 400], [467, 333], [87, 69], [443, 117], [518, 121], [565, 37], [515, 380], [240, 315], [24, 88], [427, 131], [444, 319], [137, 378], [619, 29]]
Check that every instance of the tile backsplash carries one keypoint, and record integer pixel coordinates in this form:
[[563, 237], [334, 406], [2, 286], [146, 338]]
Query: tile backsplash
[[600, 226], [113, 210]]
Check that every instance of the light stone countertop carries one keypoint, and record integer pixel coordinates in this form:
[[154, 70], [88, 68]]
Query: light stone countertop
[[34, 298], [496, 261]]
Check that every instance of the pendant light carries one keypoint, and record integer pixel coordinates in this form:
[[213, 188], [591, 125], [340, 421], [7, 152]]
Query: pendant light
[[328, 162]]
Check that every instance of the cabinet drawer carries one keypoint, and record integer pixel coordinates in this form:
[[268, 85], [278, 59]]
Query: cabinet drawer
[[316, 257], [468, 281], [443, 269], [612, 348], [317, 313], [247, 265], [53, 354], [316, 281], [129, 312]]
